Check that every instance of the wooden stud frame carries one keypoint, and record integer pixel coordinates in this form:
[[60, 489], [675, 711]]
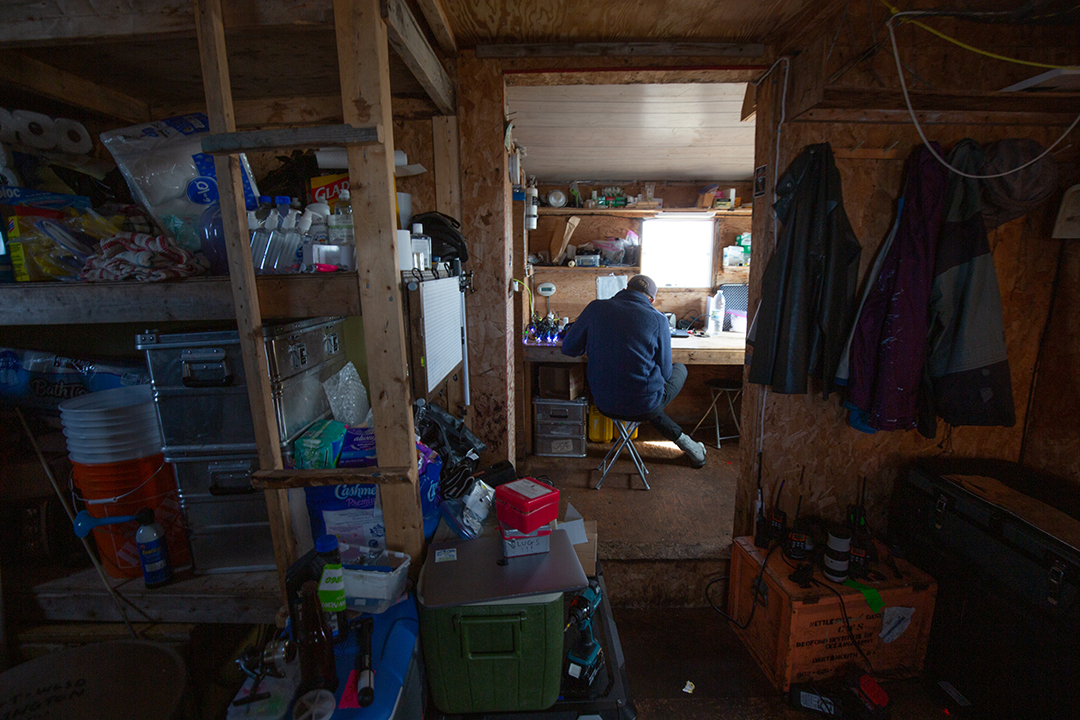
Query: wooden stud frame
[[364, 68]]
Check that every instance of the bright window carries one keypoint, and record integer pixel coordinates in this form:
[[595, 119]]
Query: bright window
[[678, 252]]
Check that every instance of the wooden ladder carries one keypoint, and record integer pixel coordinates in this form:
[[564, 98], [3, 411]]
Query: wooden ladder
[[367, 133]]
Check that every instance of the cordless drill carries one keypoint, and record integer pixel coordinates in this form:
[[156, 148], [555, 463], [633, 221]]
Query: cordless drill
[[586, 657]]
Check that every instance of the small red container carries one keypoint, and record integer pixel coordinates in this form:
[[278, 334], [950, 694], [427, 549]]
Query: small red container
[[526, 504]]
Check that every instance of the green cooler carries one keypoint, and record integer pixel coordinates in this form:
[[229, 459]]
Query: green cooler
[[499, 656]]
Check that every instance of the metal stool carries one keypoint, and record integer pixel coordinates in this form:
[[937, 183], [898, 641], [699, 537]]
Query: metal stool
[[626, 428], [722, 388]]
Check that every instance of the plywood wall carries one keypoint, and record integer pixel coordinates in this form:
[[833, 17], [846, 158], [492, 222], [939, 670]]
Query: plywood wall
[[413, 137], [805, 431], [486, 222]]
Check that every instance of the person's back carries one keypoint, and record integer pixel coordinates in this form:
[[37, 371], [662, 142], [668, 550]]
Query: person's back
[[631, 376], [629, 349]]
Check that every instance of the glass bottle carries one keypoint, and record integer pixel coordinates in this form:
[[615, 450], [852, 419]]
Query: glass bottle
[[316, 647]]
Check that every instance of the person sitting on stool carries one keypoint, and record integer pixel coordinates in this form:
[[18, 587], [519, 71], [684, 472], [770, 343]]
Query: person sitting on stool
[[631, 375]]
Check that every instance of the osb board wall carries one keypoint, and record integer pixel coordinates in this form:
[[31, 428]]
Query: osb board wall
[[946, 66], [591, 227], [576, 287], [1053, 434], [413, 137], [805, 431], [487, 223]]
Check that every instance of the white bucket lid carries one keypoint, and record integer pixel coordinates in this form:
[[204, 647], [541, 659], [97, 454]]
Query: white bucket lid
[[86, 457], [145, 427], [76, 445], [117, 401]]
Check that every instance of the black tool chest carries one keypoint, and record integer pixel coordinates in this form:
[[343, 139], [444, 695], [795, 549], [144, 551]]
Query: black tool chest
[[1006, 630]]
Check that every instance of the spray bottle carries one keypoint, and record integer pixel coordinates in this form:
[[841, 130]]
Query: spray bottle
[[153, 554]]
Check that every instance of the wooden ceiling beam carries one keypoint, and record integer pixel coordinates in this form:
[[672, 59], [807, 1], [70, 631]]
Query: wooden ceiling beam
[[298, 111], [42, 79], [621, 49], [439, 22], [35, 23], [413, 48]]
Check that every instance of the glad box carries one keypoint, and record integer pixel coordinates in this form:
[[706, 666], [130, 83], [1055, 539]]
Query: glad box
[[799, 634], [526, 504]]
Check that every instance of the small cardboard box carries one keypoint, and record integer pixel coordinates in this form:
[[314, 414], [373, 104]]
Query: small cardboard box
[[586, 551], [562, 382]]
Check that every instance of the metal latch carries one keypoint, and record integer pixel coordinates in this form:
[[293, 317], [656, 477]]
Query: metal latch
[[331, 344], [939, 512], [1057, 581], [298, 355]]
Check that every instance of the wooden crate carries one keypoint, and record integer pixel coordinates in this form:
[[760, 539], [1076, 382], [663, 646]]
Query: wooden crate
[[799, 635]]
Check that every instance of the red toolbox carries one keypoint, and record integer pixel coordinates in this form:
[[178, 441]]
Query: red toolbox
[[526, 504]]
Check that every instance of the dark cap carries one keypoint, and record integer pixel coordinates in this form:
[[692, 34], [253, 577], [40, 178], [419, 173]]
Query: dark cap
[[642, 283]]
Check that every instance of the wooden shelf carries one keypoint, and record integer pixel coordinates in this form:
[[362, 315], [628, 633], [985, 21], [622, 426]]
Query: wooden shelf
[[251, 597], [605, 270], [651, 212], [280, 296], [284, 479]]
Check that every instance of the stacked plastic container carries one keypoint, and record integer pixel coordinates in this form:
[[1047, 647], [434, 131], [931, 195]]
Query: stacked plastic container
[[114, 442]]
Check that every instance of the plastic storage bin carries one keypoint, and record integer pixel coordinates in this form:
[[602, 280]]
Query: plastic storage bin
[[374, 588], [502, 656]]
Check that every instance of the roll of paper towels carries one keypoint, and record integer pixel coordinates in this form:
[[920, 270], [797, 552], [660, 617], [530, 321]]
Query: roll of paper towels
[[71, 137], [7, 127], [34, 129], [404, 250]]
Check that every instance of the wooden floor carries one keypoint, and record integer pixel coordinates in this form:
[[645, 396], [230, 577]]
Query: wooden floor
[[658, 546]]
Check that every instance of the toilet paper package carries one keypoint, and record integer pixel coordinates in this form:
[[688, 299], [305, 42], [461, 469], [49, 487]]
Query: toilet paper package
[[171, 176]]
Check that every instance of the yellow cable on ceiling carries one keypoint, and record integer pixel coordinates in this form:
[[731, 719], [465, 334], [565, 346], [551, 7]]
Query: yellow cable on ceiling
[[973, 49]]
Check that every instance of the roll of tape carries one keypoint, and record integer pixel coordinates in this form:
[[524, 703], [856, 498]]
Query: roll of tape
[[835, 576], [34, 129], [8, 130], [71, 137], [836, 561], [840, 539]]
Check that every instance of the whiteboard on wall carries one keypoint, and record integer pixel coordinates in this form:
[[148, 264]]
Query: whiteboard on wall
[[440, 303]]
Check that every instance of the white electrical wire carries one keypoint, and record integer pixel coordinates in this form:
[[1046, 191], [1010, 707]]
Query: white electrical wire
[[915, 121], [776, 181]]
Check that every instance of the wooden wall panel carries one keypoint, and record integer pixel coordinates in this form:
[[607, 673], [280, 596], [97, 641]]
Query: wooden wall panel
[[1053, 435], [807, 431], [486, 223], [414, 138]]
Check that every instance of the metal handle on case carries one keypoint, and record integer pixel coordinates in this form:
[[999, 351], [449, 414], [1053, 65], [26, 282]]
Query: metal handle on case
[[218, 472], [206, 367]]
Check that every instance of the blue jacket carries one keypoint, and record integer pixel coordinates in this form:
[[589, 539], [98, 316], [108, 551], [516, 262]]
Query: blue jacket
[[629, 347]]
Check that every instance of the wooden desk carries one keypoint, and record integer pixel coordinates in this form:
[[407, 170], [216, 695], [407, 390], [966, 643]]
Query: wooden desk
[[727, 348]]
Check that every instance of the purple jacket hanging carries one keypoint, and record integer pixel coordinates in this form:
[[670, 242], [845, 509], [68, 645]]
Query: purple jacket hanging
[[888, 344]]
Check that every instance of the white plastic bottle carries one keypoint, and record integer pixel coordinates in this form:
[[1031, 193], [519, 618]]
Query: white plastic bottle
[[341, 222], [153, 553], [284, 243]]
